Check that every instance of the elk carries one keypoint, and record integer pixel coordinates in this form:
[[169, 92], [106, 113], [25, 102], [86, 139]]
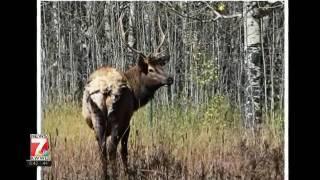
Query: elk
[[111, 97]]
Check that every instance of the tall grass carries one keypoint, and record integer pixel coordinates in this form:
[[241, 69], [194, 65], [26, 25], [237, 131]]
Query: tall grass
[[182, 143]]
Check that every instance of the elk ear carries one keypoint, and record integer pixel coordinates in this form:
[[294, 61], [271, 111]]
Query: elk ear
[[143, 65], [163, 60]]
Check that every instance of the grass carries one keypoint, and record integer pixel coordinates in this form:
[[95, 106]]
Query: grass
[[181, 144]]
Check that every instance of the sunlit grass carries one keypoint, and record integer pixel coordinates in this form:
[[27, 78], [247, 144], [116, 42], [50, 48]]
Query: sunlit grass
[[181, 143]]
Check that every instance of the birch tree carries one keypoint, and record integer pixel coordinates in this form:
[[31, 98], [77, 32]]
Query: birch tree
[[252, 63]]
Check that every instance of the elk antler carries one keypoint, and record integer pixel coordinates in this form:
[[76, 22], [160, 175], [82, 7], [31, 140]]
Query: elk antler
[[123, 35], [163, 36]]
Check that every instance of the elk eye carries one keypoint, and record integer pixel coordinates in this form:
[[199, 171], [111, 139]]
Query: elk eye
[[151, 70]]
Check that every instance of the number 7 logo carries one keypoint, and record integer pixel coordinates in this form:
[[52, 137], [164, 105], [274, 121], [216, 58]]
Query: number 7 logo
[[39, 146], [39, 150]]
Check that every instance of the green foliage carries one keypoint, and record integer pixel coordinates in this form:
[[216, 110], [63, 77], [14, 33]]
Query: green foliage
[[220, 7], [220, 113], [205, 71]]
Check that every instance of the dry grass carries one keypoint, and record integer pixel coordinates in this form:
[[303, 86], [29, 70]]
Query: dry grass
[[180, 145]]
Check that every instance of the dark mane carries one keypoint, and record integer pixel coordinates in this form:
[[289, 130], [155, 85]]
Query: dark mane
[[142, 94]]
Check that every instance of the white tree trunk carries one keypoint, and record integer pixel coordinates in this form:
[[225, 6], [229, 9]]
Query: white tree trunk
[[252, 67]]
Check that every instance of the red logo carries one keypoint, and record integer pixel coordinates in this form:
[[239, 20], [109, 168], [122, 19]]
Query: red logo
[[39, 147]]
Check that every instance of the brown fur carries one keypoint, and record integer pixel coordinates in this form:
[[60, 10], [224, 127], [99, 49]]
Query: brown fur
[[111, 97]]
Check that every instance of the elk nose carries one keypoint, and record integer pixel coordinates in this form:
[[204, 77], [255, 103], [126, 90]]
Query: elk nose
[[169, 80]]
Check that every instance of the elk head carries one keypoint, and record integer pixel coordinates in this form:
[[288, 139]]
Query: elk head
[[153, 74], [151, 66]]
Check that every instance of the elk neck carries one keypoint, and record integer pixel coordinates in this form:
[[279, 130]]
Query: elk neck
[[142, 94]]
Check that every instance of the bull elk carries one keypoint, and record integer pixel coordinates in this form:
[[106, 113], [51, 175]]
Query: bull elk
[[111, 97]]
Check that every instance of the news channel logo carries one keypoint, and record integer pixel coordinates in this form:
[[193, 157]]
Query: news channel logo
[[39, 150]]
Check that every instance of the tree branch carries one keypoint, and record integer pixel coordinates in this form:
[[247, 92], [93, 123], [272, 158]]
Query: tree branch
[[271, 7], [218, 15]]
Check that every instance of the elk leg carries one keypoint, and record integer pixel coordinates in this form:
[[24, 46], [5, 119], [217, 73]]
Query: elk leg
[[101, 138], [124, 149], [112, 149], [100, 132]]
